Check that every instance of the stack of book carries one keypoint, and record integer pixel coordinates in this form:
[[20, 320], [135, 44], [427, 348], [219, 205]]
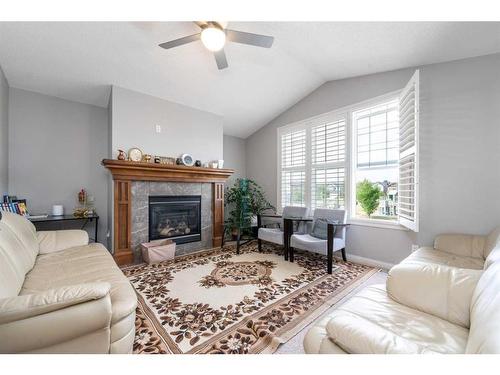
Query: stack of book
[[16, 207]]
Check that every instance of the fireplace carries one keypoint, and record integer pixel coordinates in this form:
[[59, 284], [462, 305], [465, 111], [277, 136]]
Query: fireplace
[[175, 217]]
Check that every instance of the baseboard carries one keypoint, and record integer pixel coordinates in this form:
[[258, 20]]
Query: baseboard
[[369, 262]]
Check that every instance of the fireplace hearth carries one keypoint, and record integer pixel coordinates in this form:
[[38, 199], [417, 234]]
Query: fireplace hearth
[[175, 217]]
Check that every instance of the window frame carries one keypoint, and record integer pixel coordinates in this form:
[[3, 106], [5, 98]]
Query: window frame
[[345, 113], [393, 96], [308, 125]]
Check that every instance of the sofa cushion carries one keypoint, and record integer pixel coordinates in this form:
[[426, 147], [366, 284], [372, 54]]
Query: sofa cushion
[[24, 230], [320, 228], [310, 243], [83, 264], [436, 289], [372, 322], [317, 341], [484, 336], [492, 240], [274, 235], [464, 245], [493, 256], [57, 240], [18, 251], [430, 255]]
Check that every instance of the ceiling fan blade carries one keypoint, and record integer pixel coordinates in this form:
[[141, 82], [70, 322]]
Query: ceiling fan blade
[[220, 59], [201, 24], [180, 41], [249, 38]]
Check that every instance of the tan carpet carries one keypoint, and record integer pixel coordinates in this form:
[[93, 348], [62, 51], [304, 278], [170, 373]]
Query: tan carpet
[[216, 301]]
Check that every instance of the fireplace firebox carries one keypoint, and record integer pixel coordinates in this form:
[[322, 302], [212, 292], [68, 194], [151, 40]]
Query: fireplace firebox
[[175, 217]]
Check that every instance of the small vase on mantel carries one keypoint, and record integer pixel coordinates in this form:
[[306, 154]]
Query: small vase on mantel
[[121, 155]]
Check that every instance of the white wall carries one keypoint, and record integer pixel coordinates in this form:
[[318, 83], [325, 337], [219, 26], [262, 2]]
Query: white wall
[[184, 129], [4, 135], [55, 149], [460, 132]]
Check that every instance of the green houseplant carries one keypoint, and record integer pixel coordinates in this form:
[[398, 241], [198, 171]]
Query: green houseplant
[[244, 200], [368, 195]]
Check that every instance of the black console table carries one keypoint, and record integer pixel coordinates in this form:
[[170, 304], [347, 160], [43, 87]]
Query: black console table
[[63, 218]]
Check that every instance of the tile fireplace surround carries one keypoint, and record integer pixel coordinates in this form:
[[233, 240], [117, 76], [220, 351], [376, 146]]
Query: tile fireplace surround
[[142, 190], [134, 182]]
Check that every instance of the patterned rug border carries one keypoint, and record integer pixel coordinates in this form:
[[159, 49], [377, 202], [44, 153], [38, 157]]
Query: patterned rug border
[[302, 322], [270, 343]]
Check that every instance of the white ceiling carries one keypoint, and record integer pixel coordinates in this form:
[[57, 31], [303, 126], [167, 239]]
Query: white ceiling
[[80, 60]]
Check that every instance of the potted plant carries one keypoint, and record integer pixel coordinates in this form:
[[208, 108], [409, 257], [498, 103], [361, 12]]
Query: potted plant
[[245, 200]]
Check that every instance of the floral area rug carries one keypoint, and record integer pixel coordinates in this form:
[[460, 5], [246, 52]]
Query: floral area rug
[[216, 301]]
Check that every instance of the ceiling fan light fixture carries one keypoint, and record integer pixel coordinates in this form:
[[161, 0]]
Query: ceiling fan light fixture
[[213, 38]]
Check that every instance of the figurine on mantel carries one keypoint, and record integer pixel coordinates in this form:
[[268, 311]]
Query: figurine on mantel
[[121, 155]]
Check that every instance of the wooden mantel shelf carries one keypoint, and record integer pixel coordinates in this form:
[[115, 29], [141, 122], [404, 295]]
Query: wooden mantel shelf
[[124, 172], [137, 171]]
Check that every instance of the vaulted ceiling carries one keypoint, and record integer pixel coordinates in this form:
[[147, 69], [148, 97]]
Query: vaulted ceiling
[[80, 61]]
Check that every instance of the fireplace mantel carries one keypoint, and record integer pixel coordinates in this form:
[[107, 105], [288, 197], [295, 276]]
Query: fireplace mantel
[[124, 172], [137, 171]]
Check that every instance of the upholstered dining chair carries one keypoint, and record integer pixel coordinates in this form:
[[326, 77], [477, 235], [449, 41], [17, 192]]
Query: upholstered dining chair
[[276, 235], [326, 235]]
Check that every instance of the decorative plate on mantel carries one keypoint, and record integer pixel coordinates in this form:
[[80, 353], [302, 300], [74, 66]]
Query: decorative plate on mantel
[[187, 160], [135, 154]]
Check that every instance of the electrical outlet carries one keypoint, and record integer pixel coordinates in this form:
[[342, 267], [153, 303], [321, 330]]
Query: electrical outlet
[[414, 248], [158, 128]]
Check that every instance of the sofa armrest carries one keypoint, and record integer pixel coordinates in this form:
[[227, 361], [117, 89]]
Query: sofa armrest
[[73, 319], [30, 305], [57, 240], [356, 335], [435, 289], [461, 244]]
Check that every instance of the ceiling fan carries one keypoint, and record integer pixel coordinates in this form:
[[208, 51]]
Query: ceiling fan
[[214, 36]]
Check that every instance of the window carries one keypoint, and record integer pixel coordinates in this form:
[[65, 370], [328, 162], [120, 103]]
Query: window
[[363, 157], [327, 169], [312, 162], [293, 168], [376, 158]]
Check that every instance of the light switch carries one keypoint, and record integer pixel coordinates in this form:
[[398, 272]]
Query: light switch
[[158, 128]]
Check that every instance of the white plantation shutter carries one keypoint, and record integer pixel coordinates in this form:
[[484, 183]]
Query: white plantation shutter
[[408, 154], [328, 142], [293, 165]]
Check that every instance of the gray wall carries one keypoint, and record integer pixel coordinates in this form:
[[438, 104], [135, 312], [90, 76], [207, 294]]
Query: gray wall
[[184, 129], [4, 134], [234, 157], [460, 153], [459, 138], [56, 148]]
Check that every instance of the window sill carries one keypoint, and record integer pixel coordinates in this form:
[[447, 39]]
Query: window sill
[[377, 224]]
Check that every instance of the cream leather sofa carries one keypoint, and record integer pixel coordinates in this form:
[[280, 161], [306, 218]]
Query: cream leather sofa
[[427, 305], [59, 294], [461, 250]]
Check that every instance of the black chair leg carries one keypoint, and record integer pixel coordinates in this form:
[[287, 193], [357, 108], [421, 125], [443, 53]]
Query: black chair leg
[[259, 245], [344, 258], [329, 265], [291, 254], [223, 237]]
